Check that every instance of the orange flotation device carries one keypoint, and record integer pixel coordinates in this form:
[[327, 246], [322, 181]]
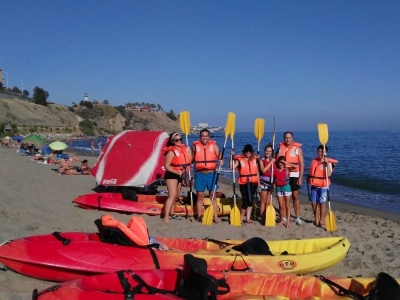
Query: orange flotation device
[[290, 154], [136, 230], [317, 174], [181, 158], [205, 157], [247, 170]]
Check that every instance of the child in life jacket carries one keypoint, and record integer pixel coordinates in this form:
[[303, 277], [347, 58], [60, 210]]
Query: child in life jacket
[[283, 191]]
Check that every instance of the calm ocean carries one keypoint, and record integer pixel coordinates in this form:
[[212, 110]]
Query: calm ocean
[[366, 174]]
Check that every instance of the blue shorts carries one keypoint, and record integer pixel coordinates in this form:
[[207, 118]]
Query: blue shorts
[[204, 181], [318, 195]]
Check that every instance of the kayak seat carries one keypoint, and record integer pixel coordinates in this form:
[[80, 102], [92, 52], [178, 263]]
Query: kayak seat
[[254, 245], [129, 193], [385, 287], [196, 284], [116, 232]]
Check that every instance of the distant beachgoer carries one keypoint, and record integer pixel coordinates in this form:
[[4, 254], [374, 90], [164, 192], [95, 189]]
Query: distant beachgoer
[[84, 168], [91, 146], [100, 146], [205, 157], [320, 168], [178, 158], [66, 167], [293, 155]]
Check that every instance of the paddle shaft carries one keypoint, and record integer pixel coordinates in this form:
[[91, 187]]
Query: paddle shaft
[[185, 126], [219, 169]]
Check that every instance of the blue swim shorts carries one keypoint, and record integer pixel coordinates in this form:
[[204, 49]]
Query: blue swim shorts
[[204, 181], [318, 195]]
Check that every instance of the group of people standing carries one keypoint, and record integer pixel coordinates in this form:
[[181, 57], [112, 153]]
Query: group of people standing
[[281, 172]]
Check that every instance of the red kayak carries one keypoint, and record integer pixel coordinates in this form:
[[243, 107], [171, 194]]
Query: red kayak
[[94, 197], [196, 282], [69, 255], [146, 204]]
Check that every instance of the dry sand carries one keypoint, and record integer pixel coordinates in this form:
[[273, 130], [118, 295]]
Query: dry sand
[[36, 200]]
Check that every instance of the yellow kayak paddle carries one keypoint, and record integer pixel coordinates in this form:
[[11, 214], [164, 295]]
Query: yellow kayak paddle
[[323, 138], [184, 120], [235, 219], [270, 214]]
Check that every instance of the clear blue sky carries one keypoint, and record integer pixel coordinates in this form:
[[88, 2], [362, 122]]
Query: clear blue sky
[[305, 62]]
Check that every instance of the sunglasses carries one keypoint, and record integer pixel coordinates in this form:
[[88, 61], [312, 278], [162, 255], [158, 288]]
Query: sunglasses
[[178, 140]]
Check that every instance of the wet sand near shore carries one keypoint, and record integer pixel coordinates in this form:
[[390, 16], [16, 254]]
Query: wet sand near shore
[[36, 200]]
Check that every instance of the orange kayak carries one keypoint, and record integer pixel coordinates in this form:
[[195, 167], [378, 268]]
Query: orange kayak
[[195, 280]]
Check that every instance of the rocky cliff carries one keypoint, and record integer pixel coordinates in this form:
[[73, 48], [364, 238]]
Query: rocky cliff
[[106, 119]]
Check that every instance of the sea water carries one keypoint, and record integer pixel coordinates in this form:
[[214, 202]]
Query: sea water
[[366, 175]]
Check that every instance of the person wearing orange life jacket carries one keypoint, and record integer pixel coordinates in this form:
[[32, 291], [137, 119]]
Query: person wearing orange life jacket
[[177, 161], [249, 179], [320, 168], [294, 155], [206, 154]]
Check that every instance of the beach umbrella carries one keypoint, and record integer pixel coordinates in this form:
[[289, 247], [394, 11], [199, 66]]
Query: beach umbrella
[[33, 139], [17, 138], [57, 146]]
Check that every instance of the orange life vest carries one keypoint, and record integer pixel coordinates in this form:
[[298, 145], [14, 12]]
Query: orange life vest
[[247, 170], [136, 230], [205, 157], [181, 159], [290, 154], [317, 174]]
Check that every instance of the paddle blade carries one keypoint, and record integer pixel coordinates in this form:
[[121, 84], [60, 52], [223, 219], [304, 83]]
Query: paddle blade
[[235, 215], [323, 133], [259, 126], [208, 215], [330, 222], [270, 215], [184, 120], [230, 125]]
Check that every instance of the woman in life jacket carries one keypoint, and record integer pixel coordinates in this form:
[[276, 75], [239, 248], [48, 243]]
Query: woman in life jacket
[[247, 167], [283, 191], [320, 170], [177, 161], [265, 178]]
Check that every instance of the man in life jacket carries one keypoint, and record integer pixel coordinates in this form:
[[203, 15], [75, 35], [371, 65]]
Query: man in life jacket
[[206, 156], [320, 170], [294, 155]]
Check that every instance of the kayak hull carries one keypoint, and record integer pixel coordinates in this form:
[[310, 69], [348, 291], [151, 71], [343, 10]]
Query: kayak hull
[[146, 204], [243, 285], [46, 257]]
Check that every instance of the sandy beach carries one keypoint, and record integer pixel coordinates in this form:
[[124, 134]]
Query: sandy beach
[[36, 200]]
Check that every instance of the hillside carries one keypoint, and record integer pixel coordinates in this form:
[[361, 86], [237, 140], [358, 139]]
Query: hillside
[[107, 119]]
